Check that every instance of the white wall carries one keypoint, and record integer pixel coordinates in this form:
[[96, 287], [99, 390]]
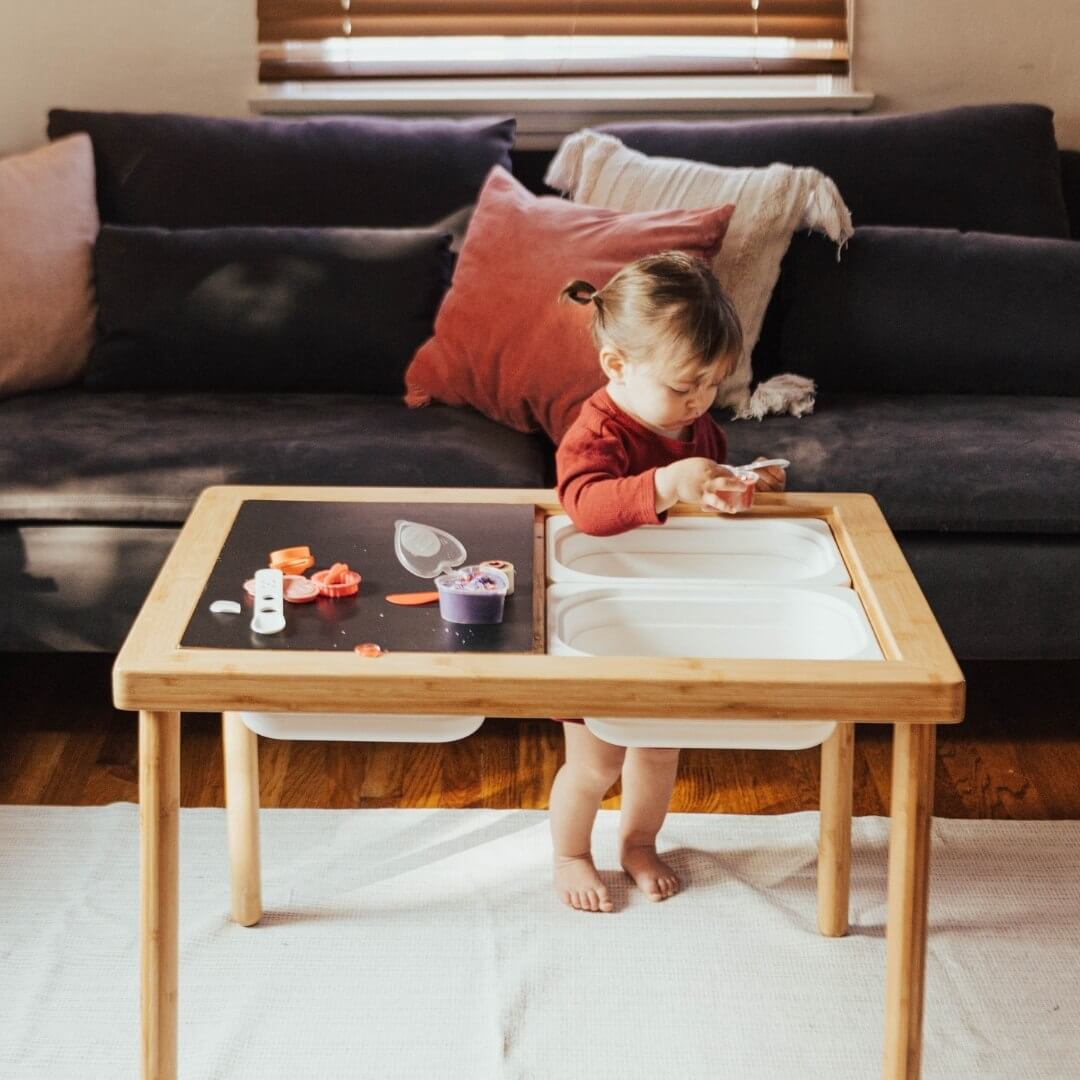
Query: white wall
[[198, 56], [193, 56], [928, 54]]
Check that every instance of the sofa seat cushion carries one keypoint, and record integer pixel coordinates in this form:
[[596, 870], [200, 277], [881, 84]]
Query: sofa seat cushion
[[68, 455], [935, 463]]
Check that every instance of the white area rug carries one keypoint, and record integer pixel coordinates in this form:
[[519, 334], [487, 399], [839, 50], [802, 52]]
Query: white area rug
[[416, 943]]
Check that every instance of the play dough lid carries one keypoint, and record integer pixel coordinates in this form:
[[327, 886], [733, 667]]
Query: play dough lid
[[426, 551]]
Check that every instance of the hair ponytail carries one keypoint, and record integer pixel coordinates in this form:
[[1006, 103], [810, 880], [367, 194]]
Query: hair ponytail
[[662, 304], [580, 292]]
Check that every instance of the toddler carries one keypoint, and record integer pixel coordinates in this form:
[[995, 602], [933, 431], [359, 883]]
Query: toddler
[[667, 334]]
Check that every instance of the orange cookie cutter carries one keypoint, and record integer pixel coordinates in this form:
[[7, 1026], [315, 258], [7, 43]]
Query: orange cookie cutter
[[337, 581]]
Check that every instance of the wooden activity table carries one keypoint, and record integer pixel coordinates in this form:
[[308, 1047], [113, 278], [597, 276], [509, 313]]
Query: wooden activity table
[[916, 686]]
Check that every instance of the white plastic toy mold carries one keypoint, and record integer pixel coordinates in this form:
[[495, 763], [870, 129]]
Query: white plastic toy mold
[[426, 551], [225, 607], [361, 727], [269, 617], [701, 550]]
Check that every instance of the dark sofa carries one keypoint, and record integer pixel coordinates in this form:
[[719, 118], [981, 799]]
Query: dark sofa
[[948, 363]]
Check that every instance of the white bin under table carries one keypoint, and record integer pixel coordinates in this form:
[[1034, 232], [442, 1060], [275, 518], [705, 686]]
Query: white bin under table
[[767, 589]]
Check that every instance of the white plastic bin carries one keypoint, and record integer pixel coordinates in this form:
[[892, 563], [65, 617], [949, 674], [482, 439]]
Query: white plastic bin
[[733, 621], [361, 727], [775, 551]]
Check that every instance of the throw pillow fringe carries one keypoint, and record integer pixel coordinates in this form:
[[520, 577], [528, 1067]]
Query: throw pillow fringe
[[781, 394]]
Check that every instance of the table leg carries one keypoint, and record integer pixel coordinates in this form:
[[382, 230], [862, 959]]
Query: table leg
[[909, 887], [241, 746], [159, 872], [834, 837]]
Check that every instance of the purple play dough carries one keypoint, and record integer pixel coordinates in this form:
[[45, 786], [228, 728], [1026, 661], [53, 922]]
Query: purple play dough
[[464, 605]]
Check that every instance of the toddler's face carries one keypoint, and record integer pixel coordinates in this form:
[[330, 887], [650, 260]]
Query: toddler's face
[[668, 396]]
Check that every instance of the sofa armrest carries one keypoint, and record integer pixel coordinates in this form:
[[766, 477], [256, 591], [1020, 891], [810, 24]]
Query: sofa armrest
[[1070, 183]]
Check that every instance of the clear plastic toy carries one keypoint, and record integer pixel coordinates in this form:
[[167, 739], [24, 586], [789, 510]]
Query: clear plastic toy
[[426, 551]]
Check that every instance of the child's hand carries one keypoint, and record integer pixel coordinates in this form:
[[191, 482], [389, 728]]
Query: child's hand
[[685, 481], [728, 494], [773, 478]]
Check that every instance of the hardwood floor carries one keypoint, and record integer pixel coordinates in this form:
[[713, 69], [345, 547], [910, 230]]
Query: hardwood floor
[[1016, 756]]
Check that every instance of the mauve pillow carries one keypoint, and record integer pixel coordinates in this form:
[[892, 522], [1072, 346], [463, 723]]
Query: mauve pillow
[[48, 221], [933, 311], [503, 343], [180, 171], [253, 309], [993, 168]]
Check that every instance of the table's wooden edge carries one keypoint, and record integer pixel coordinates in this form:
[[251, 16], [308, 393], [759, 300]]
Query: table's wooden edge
[[293, 681], [923, 684]]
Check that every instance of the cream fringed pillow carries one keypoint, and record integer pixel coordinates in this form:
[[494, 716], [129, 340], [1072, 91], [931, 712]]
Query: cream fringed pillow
[[48, 224], [770, 205]]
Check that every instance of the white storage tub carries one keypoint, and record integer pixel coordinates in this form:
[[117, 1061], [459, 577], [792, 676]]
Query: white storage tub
[[774, 551], [361, 727], [732, 621]]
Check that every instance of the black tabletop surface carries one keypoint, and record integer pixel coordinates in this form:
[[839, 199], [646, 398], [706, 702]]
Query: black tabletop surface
[[362, 535]]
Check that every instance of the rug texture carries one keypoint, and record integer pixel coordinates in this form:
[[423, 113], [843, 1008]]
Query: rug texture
[[427, 943]]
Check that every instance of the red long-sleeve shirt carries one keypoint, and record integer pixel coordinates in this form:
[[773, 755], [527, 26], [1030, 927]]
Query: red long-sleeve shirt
[[606, 461]]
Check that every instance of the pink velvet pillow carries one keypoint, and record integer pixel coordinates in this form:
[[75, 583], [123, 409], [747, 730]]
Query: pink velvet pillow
[[48, 224], [503, 344]]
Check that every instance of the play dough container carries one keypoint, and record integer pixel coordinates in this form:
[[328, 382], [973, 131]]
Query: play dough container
[[472, 594], [741, 499]]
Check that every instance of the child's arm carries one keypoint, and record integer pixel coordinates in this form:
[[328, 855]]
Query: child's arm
[[595, 490]]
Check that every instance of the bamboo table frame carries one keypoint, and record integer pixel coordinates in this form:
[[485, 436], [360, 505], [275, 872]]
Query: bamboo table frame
[[916, 687]]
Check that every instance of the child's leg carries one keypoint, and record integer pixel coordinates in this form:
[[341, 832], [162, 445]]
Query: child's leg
[[648, 778], [592, 766]]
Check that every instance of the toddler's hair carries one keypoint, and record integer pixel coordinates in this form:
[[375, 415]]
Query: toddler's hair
[[664, 300]]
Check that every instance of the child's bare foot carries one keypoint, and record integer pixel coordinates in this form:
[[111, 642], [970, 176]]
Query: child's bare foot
[[578, 884], [651, 874]]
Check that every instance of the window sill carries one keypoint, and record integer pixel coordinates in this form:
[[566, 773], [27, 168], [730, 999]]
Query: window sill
[[547, 109]]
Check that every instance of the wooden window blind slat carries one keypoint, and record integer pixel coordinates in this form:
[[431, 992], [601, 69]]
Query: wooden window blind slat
[[287, 27], [331, 26], [419, 9]]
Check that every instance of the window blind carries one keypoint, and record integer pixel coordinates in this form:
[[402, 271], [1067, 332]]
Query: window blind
[[330, 39]]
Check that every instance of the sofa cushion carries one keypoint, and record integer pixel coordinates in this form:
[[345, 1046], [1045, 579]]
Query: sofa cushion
[[68, 455], [771, 204], [909, 311], [503, 343], [989, 167], [246, 309], [181, 171], [48, 221], [935, 463]]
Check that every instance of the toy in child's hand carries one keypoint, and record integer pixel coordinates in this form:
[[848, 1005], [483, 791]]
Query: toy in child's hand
[[730, 494], [770, 472], [765, 474]]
